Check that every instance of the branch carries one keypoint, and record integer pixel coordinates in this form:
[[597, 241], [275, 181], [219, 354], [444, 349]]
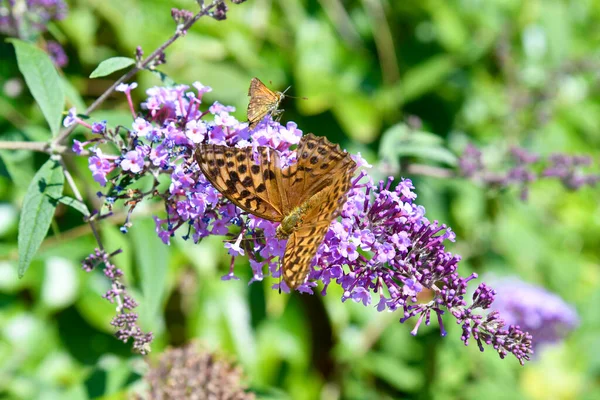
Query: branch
[[55, 145], [42, 147], [32, 146], [204, 11], [78, 196]]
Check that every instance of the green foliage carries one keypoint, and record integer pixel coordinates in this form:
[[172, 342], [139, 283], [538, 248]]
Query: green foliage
[[76, 204], [495, 72], [152, 257], [111, 65], [38, 210], [42, 80]]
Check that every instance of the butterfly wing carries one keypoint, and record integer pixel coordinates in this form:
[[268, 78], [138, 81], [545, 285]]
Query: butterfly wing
[[319, 181], [301, 247], [262, 101], [324, 206], [251, 184], [318, 161]]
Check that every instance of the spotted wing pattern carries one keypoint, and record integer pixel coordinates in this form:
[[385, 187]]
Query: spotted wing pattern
[[262, 102], [251, 184], [303, 243], [316, 185], [318, 162]]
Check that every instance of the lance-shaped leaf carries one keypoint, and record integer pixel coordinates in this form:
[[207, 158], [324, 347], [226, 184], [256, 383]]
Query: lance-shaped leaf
[[38, 209], [43, 81], [111, 65]]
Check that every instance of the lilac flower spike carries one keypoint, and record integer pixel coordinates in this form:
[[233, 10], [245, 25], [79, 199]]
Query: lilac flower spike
[[383, 251], [542, 313], [524, 169], [125, 321]]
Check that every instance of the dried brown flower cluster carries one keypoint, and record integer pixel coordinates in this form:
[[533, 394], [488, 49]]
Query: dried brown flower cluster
[[191, 373]]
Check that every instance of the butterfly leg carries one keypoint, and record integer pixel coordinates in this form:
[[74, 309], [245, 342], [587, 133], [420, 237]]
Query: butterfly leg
[[276, 115]]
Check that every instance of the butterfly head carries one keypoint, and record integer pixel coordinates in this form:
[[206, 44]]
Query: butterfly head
[[280, 97]]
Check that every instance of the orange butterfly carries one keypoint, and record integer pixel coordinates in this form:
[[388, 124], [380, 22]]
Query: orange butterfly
[[263, 102], [304, 197]]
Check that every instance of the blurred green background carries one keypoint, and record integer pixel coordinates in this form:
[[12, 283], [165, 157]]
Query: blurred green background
[[494, 72]]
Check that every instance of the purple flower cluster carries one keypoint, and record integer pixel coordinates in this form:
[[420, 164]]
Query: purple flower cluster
[[540, 312], [383, 244], [125, 320], [524, 167], [568, 168]]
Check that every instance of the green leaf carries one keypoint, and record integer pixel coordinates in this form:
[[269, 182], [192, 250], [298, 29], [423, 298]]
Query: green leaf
[[426, 76], [438, 154], [111, 65], [117, 372], [237, 314], [74, 203], [452, 31], [558, 31], [394, 372], [401, 141], [316, 74], [420, 79], [43, 81], [152, 256], [113, 239], [356, 114], [38, 210], [37, 133], [73, 96]]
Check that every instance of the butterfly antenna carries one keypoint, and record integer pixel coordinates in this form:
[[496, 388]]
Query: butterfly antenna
[[293, 97]]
